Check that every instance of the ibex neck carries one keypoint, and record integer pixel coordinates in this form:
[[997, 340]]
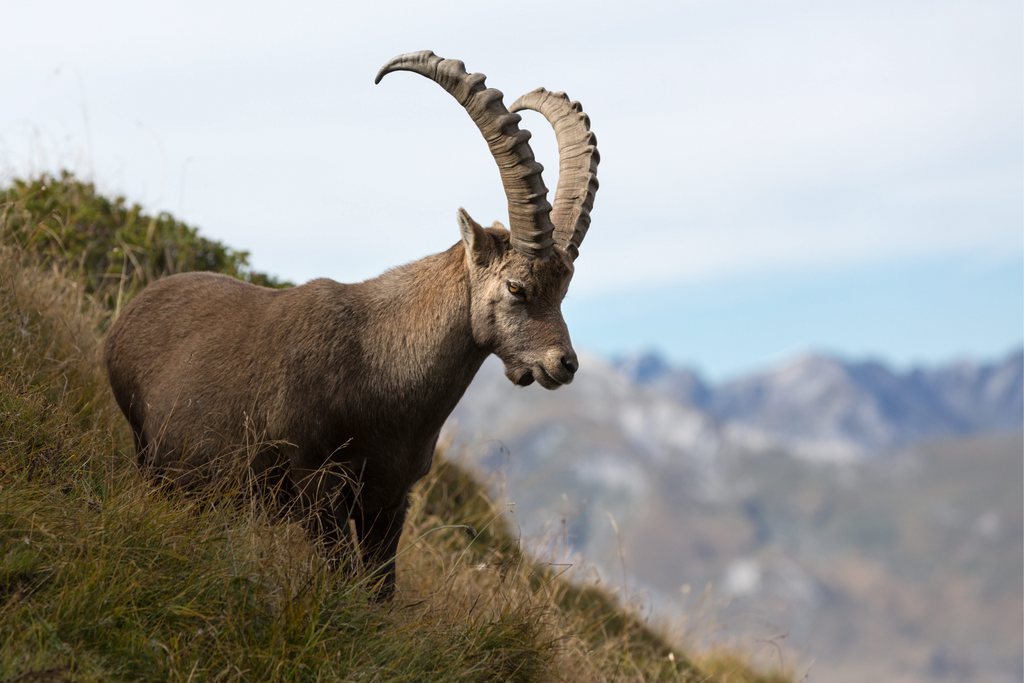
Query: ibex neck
[[418, 316]]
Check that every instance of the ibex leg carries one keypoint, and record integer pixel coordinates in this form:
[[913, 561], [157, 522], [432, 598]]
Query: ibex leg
[[379, 531]]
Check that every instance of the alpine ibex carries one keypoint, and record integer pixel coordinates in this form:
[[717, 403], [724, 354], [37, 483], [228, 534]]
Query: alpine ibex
[[352, 382]]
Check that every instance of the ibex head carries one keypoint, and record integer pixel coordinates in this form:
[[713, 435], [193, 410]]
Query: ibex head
[[518, 277], [516, 305]]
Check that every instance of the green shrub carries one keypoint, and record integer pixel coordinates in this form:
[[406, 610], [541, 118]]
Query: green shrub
[[110, 245]]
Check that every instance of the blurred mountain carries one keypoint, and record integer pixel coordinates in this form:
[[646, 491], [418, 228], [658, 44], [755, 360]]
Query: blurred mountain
[[872, 516], [825, 407], [603, 438], [651, 369]]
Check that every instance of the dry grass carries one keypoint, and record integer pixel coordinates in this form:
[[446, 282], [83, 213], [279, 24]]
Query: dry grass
[[105, 577]]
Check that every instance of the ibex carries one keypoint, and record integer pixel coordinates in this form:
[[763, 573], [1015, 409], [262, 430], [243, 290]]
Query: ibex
[[352, 382]]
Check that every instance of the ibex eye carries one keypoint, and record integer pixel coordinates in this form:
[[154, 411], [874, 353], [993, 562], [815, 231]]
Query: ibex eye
[[515, 289]]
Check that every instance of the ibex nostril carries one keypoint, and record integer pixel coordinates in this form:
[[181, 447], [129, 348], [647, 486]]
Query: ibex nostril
[[570, 363]]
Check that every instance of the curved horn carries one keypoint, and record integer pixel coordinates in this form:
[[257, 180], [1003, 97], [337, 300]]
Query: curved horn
[[528, 207], [578, 159]]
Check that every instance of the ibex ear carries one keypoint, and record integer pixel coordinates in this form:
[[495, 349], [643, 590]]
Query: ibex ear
[[479, 244]]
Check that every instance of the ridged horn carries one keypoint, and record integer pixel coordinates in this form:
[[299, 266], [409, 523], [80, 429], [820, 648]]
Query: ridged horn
[[528, 207], [578, 159]]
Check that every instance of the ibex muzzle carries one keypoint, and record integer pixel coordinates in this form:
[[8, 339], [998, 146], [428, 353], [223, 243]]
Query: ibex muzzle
[[345, 387]]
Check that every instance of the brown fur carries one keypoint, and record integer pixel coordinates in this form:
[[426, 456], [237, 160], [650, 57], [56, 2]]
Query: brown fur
[[344, 387]]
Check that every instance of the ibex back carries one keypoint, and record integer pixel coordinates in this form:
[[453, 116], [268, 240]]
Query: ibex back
[[342, 389]]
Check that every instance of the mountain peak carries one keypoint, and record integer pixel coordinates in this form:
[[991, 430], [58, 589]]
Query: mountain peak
[[816, 398], [812, 364], [645, 366]]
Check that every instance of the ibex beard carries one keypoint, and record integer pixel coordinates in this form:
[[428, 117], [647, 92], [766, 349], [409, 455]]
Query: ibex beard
[[348, 385]]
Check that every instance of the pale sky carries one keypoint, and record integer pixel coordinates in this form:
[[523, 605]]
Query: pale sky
[[775, 177]]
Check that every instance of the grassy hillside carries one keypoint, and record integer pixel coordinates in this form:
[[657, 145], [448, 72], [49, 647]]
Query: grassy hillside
[[103, 577]]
